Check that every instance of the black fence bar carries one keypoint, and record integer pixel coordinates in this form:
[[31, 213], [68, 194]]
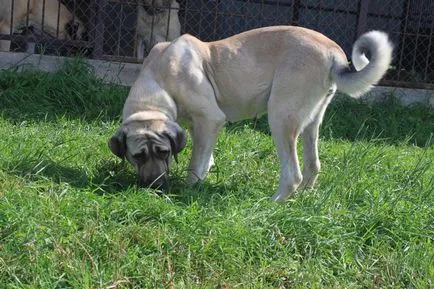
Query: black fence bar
[[91, 15], [362, 16], [11, 26], [98, 39], [28, 13], [43, 16], [119, 36], [168, 22], [430, 41], [58, 18], [185, 14], [215, 18], [404, 25], [295, 12]]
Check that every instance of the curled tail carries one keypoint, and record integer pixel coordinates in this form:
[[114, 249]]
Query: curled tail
[[377, 46]]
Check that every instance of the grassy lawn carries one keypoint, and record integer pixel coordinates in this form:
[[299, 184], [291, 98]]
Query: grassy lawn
[[71, 215]]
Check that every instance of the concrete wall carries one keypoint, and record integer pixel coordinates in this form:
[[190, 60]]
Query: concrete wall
[[126, 74]]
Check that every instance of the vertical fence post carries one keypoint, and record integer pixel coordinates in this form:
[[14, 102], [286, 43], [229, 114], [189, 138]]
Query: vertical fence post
[[98, 34], [362, 17], [403, 32], [431, 36], [91, 14], [295, 12]]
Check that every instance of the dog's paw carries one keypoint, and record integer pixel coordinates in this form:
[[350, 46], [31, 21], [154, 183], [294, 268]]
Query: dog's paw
[[308, 183], [192, 178], [280, 198]]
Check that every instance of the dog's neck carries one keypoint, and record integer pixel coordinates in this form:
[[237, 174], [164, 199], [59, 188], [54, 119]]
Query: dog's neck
[[145, 115], [148, 101]]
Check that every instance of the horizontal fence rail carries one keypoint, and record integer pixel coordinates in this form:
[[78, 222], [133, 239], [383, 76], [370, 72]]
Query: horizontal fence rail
[[125, 30]]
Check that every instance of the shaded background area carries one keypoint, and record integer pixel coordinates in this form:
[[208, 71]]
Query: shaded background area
[[75, 93], [356, 119]]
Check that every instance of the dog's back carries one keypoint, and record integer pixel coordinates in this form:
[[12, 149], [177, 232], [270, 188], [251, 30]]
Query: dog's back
[[244, 68], [307, 58], [301, 56]]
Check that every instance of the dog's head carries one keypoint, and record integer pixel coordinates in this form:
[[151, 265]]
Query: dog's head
[[153, 7], [76, 30], [149, 146]]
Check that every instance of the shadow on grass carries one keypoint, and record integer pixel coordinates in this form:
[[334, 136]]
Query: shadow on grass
[[202, 192], [106, 177], [73, 91], [112, 177], [356, 119]]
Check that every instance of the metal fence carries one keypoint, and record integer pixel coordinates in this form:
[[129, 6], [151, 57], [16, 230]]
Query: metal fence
[[125, 30]]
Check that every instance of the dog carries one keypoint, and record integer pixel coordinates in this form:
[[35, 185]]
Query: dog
[[290, 72], [58, 20], [157, 21]]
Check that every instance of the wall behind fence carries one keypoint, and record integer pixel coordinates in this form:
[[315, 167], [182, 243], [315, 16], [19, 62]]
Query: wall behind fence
[[125, 30]]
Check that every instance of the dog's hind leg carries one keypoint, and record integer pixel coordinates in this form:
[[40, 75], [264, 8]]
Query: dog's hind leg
[[310, 134], [285, 129]]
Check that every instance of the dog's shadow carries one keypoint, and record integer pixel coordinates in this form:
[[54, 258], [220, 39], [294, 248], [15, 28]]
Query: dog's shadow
[[111, 177], [107, 177], [202, 193], [42, 169], [115, 176]]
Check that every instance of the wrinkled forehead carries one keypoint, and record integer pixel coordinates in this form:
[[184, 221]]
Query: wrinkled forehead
[[139, 140]]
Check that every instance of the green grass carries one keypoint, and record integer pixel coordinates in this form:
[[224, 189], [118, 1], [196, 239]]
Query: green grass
[[72, 217]]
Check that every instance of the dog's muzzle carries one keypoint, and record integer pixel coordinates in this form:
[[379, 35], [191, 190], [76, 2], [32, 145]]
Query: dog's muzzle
[[157, 183]]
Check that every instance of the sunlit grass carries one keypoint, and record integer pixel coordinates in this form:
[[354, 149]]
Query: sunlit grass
[[71, 215]]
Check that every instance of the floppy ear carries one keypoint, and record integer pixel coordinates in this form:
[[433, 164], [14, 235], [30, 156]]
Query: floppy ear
[[177, 138], [117, 143]]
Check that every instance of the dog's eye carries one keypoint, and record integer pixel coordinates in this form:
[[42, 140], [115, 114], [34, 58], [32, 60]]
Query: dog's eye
[[142, 156], [162, 152]]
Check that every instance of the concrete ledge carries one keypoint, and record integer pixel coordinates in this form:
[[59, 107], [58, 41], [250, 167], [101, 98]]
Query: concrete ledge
[[126, 74], [406, 96], [111, 72]]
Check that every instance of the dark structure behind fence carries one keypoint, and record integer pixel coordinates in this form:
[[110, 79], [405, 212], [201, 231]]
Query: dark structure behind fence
[[111, 26]]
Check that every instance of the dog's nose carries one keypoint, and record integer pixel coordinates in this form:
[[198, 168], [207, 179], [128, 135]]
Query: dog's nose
[[154, 184]]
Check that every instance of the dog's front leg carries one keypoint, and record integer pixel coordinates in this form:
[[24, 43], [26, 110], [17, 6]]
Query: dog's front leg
[[204, 133]]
